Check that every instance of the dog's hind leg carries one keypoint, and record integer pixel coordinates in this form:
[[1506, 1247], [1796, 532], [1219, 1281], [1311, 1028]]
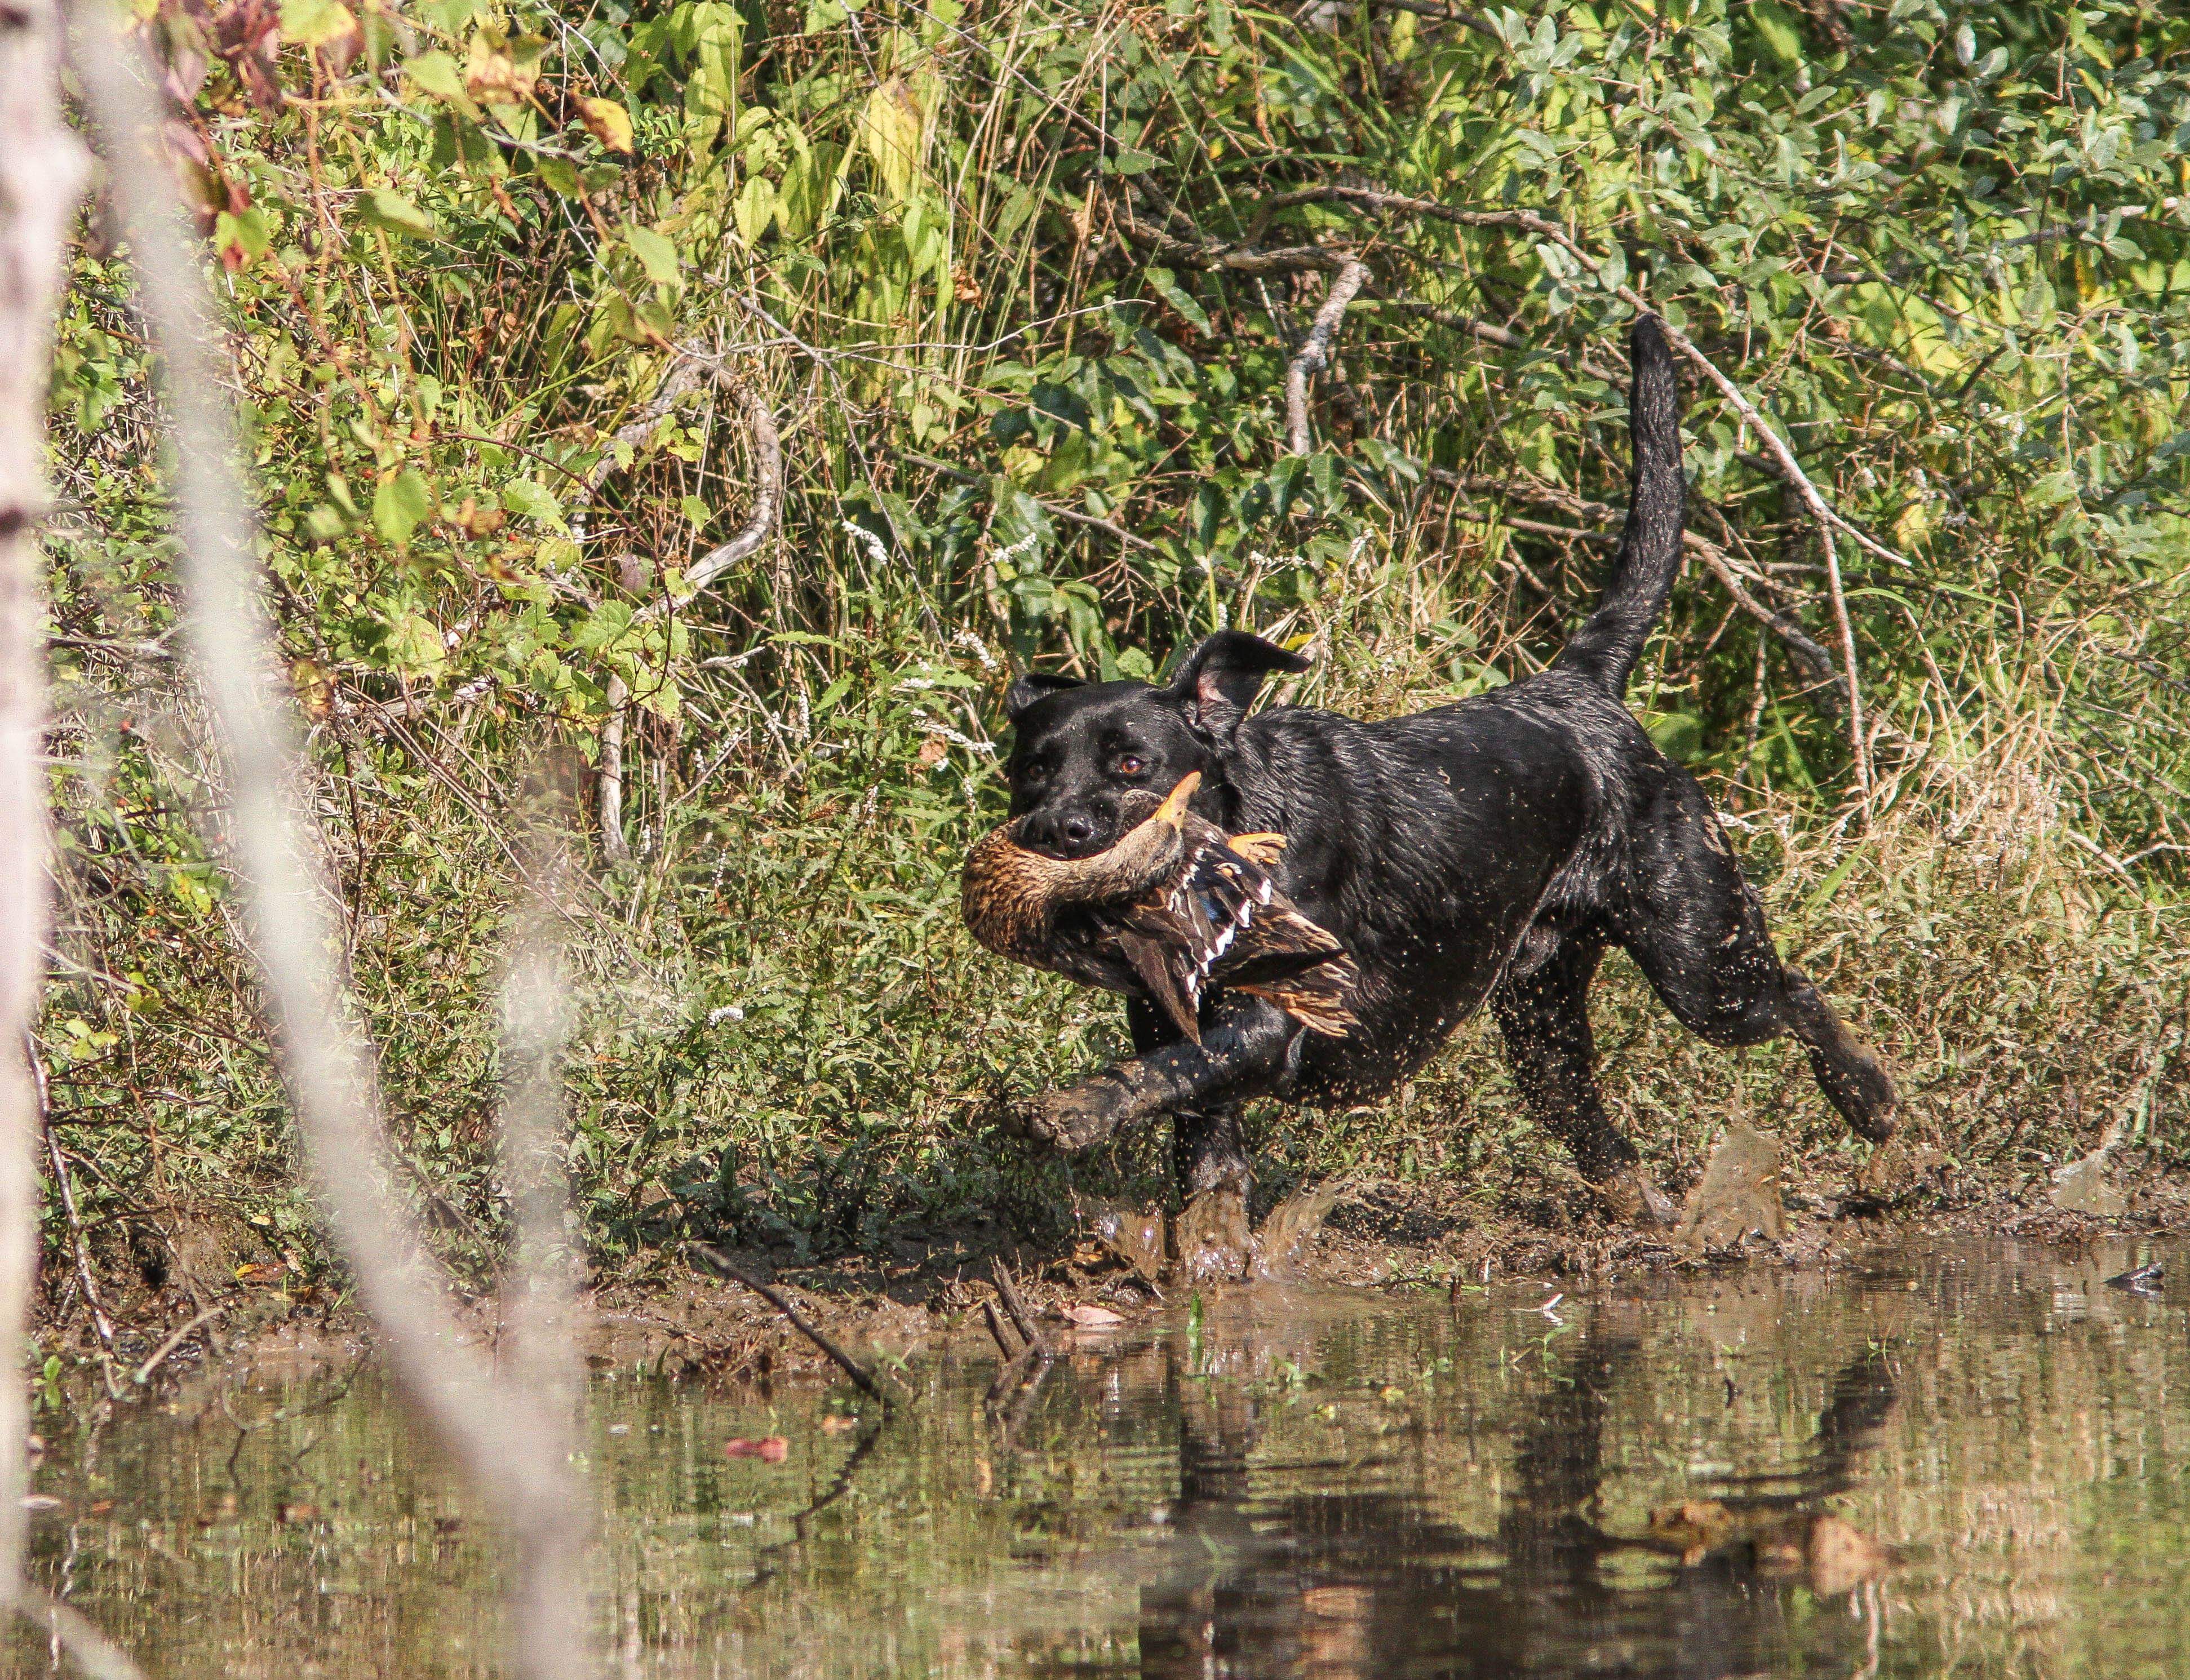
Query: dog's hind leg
[[1543, 1013], [1695, 928]]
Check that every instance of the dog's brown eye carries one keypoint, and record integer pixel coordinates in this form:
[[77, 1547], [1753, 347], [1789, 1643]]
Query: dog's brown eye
[[1131, 765]]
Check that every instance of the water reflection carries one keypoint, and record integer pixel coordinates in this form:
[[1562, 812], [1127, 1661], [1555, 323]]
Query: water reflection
[[1934, 1461]]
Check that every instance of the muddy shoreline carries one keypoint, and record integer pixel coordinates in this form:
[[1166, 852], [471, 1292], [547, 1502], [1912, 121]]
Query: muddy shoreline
[[674, 1319]]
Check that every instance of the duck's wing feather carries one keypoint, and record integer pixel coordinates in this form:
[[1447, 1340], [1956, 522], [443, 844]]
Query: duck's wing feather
[[1221, 920]]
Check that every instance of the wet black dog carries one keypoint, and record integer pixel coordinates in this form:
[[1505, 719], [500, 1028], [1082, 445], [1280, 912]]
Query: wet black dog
[[1487, 849]]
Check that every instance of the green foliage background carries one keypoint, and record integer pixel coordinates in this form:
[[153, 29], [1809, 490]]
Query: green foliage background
[[1020, 283]]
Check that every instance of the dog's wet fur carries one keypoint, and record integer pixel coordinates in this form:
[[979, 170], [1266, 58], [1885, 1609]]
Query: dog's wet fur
[[1489, 849]]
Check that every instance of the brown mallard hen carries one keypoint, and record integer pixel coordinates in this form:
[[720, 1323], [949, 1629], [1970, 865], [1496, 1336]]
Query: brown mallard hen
[[1176, 909]]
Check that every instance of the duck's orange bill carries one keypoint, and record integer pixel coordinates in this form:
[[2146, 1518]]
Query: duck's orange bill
[[1173, 809]]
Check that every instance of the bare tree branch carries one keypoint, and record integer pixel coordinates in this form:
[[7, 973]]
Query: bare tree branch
[[1314, 353], [508, 1440], [41, 168], [767, 508], [1811, 660]]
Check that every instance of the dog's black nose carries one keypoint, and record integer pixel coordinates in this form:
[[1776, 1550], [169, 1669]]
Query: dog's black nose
[[1064, 834]]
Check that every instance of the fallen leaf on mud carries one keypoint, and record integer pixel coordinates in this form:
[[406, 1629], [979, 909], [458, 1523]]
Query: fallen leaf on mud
[[769, 1449], [266, 1272], [1740, 1193], [1093, 1318]]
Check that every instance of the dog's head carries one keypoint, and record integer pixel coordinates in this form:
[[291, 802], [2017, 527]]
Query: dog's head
[[1084, 749]]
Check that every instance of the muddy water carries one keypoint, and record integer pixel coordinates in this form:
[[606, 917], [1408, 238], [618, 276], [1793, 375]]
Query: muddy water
[[1274, 1484]]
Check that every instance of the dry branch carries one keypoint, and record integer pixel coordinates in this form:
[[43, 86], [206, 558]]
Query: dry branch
[[508, 1441], [1816, 665], [768, 506], [862, 1379], [1314, 353], [1022, 1319], [1828, 519], [40, 170]]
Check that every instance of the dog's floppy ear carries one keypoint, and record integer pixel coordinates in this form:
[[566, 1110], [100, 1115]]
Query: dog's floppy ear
[[1217, 682], [1032, 687]]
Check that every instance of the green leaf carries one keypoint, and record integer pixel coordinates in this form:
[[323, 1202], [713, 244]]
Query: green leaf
[[534, 501], [436, 73], [655, 254], [380, 208], [415, 646], [1777, 30], [400, 505], [607, 625], [1165, 284], [561, 176]]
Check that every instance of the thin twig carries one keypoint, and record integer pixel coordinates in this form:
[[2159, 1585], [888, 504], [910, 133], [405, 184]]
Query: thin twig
[[862, 1379], [1110, 528], [1314, 353], [144, 1373], [101, 1323], [768, 504]]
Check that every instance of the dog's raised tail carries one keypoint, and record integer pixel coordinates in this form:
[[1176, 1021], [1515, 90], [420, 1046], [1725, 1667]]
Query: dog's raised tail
[[1606, 647]]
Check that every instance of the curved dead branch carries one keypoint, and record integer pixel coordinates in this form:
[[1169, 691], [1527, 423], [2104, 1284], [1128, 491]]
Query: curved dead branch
[[510, 1440], [1314, 353], [760, 524]]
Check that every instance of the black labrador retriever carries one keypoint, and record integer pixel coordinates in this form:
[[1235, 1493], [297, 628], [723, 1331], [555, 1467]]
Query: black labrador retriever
[[1491, 849]]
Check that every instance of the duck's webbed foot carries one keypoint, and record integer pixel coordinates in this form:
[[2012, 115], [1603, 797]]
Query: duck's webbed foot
[[1242, 1054]]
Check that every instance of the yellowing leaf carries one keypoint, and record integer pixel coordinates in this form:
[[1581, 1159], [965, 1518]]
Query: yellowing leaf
[[755, 208], [890, 128], [608, 122], [415, 646], [655, 254], [436, 73], [314, 23]]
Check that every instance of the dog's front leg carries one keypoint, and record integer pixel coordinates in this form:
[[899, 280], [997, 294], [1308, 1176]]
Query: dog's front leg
[[1242, 1054]]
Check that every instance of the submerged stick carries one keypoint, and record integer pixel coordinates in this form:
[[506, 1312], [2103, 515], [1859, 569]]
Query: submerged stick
[[1022, 1319], [721, 1264], [143, 1374]]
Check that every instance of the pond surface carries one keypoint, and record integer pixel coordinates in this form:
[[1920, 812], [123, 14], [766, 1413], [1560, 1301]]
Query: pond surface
[[1278, 1483]]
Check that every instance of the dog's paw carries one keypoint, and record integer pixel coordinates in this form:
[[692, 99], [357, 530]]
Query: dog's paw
[[1076, 1118], [1860, 1085]]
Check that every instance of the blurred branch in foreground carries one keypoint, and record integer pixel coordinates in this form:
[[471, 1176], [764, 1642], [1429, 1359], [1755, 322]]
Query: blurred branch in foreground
[[510, 1436]]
